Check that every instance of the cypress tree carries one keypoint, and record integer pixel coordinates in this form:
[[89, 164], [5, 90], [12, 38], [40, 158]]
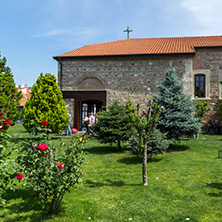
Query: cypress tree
[[9, 96], [178, 117], [113, 125], [46, 103]]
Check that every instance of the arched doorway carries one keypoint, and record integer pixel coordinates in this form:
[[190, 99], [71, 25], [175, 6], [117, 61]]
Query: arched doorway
[[85, 102], [89, 106]]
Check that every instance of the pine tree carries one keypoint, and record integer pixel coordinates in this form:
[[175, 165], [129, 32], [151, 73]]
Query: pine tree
[[9, 96], [46, 103], [178, 117], [113, 125]]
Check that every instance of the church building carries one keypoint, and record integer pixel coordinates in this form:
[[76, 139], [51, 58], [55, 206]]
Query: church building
[[91, 77]]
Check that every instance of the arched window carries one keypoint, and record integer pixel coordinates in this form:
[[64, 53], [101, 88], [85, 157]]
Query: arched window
[[200, 86]]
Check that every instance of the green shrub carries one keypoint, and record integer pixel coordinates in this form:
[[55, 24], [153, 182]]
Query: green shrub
[[178, 117], [49, 170], [157, 144], [9, 96], [6, 165], [113, 125], [46, 103]]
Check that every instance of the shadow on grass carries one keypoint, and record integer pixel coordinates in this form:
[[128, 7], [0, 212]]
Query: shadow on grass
[[177, 148], [102, 150], [28, 138], [137, 160], [25, 206], [109, 183], [217, 186]]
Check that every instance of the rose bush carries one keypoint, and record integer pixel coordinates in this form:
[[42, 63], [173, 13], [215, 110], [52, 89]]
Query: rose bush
[[6, 165], [49, 170]]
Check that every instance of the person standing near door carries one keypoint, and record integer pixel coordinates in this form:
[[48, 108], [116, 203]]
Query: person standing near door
[[68, 131], [86, 123], [92, 120]]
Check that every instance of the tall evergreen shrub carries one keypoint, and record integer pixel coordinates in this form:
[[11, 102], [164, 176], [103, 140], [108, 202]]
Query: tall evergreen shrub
[[9, 96], [113, 125], [178, 117], [46, 103]]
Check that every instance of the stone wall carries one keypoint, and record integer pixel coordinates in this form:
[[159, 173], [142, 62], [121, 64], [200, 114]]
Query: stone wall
[[137, 77], [211, 60], [120, 77]]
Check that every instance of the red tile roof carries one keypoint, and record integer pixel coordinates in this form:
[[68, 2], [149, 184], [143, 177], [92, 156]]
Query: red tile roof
[[146, 46], [25, 97]]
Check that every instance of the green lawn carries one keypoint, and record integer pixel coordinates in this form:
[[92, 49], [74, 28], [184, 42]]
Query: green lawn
[[185, 182]]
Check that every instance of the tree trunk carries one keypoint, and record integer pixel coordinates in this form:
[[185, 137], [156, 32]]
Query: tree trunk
[[119, 145], [145, 165]]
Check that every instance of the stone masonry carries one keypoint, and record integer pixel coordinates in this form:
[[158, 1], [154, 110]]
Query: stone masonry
[[137, 76]]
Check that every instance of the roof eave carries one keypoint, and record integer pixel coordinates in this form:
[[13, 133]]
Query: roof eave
[[58, 58], [207, 47]]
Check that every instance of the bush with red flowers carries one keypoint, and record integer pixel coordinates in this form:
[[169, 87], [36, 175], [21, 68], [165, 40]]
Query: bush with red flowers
[[6, 176], [49, 170]]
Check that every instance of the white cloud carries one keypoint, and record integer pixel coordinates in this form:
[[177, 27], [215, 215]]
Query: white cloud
[[206, 14], [53, 33]]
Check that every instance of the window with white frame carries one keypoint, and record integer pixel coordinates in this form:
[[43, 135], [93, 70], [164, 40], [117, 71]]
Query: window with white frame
[[201, 84]]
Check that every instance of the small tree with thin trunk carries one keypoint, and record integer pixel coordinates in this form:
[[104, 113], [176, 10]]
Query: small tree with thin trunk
[[144, 123]]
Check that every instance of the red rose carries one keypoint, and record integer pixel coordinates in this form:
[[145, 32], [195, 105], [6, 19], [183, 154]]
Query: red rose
[[7, 122], [60, 166], [48, 153], [1, 114], [42, 147], [19, 176], [44, 122]]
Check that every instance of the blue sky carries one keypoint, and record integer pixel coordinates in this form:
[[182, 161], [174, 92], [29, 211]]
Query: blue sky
[[32, 32]]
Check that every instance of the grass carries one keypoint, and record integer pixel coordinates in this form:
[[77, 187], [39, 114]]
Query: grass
[[183, 183]]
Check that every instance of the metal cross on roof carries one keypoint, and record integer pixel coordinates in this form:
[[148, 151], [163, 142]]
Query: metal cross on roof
[[128, 31]]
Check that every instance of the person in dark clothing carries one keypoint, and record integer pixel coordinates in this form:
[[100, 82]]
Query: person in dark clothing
[[86, 123], [211, 124]]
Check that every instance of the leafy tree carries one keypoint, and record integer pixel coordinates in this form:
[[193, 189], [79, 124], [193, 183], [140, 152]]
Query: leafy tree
[[178, 117], [201, 108], [144, 124], [46, 103], [9, 96], [113, 125]]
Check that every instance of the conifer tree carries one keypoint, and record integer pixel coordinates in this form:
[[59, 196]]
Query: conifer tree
[[46, 103], [9, 96], [113, 125], [178, 117]]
